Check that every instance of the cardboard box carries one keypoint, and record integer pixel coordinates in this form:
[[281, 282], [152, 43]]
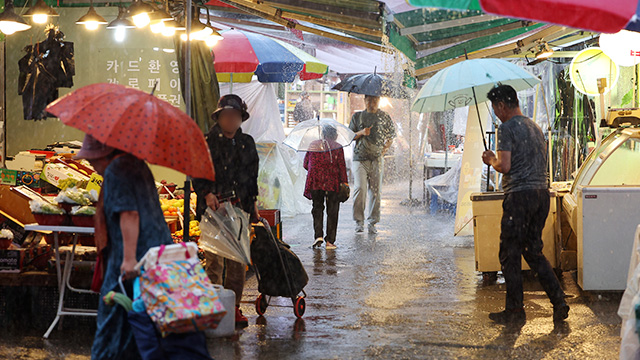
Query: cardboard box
[[8, 177], [28, 178], [54, 173]]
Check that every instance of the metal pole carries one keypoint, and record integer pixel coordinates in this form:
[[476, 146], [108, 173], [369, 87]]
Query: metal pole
[[187, 99], [410, 158]]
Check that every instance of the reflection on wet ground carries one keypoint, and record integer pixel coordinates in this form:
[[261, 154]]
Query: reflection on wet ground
[[409, 292]]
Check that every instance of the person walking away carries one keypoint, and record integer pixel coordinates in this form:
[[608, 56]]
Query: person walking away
[[129, 222], [522, 158], [326, 171], [304, 108], [235, 160], [375, 132]]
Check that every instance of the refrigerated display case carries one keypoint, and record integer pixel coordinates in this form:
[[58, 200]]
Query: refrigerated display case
[[603, 210]]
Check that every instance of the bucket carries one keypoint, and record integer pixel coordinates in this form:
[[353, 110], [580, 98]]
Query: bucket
[[227, 325]]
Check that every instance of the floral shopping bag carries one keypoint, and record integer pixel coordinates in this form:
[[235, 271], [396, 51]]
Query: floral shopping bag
[[179, 297]]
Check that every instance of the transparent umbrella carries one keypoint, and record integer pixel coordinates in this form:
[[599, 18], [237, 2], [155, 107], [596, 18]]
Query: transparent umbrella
[[225, 232], [319, 135]]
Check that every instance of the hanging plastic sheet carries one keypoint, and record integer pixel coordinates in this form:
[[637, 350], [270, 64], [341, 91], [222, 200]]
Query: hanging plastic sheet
[[281, 180], [445, 186], [262, 103]]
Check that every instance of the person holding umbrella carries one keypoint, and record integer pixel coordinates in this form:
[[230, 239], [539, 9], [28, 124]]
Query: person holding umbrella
[[522, 158], [326, 171], [304, 108], [236, 161], [129, 223], [375, 132]]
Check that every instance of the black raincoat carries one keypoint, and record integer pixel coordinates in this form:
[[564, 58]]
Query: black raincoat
[[47, 66]]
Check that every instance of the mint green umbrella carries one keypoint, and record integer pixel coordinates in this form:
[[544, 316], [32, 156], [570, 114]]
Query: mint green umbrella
[[468, 82]]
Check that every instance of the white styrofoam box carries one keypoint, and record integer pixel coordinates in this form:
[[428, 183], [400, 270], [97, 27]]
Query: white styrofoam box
[[227, 325]]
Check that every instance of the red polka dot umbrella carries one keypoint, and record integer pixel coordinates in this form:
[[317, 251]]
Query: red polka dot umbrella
[[138, 123]]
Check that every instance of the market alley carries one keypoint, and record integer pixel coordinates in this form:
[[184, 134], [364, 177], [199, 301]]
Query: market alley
[[409, 292]]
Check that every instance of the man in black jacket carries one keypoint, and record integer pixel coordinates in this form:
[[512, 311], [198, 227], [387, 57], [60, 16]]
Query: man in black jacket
[[235, 160]]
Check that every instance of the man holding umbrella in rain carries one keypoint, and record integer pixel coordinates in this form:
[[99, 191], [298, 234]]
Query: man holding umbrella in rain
[[374, 135], [522, 158]]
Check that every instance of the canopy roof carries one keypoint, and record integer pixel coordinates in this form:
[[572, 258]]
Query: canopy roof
[[432, 38]]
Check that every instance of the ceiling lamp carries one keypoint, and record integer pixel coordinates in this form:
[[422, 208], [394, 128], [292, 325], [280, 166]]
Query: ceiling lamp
[[157, 20], [121, 21], [91, 20], [120, 24], [40, 12], [10, 22], [171, 27], [139, 12]]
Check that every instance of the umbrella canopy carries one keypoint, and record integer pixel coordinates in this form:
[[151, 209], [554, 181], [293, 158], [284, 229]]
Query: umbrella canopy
[[310, 135], [597, 15], [453, 87], [225, 232], [138, 123], [240, 55], [373, 85]]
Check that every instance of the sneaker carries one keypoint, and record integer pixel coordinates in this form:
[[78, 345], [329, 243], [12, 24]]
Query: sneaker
[[241, 320], [560, 312], [359, 228], [317, 242], [331, 246], [509, 317], [372, 229]]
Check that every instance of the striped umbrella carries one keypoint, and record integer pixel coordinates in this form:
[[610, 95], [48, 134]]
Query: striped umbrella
[[242, 54]]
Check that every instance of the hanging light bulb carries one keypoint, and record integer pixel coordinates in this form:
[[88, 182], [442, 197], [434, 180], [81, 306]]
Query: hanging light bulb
[[120, 34], [91, 20], [10, 22], [157, 27], [171, 27], [139, 12], [40, 12], [211, 41], [120, 24]]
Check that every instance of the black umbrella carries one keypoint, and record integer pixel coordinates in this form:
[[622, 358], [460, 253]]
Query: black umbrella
[[373, 85]]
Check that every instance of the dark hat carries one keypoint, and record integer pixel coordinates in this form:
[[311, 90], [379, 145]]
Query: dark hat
[[231, 102], [93, 149]]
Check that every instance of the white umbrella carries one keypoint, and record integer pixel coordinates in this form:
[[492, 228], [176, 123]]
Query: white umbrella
[[310, 135]]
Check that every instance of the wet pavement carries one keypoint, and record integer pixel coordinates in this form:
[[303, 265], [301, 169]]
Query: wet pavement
[[409, 292]]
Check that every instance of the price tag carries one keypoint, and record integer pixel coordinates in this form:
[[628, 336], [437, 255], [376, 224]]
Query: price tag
[[95, 182]]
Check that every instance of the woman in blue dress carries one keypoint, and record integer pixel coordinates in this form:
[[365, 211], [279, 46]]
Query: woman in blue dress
[[134, 222]]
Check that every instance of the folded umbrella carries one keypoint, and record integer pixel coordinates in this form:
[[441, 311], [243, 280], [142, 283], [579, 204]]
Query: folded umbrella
[[138, 123], [225, 232], [309, 135]]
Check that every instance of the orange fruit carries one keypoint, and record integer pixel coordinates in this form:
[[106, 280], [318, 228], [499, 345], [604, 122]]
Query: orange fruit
[[166, 213]]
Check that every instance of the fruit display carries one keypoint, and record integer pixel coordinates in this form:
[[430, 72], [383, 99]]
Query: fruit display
[[171, 207], [77, 196], [83, 210], [44, 207], [194, 230], [67, 183]]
